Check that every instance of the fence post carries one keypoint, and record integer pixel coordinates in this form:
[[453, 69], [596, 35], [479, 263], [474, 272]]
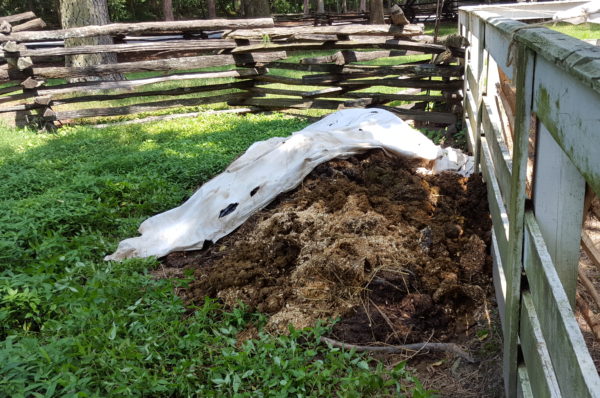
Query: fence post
[[524, 70]]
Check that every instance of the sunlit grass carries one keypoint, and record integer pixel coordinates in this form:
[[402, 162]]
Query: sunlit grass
[[582, 31]]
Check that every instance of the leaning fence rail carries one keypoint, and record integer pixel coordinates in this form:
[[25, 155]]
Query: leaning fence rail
[[532, 97]]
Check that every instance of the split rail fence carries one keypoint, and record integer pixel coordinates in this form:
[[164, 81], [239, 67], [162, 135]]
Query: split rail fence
[[532, 97], [252, 70]]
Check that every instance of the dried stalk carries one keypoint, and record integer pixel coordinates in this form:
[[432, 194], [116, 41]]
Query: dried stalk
[[445, 347]]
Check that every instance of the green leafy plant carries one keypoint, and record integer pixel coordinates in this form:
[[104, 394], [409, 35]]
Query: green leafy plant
[[74, 325]]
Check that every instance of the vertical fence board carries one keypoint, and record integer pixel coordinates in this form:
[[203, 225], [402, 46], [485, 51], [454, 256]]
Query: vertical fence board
[[535, 353], [500, 220], [524, 387], [499, 277], [569, 109], [558, 196], [524, 83], [498, 149], [575, 370]]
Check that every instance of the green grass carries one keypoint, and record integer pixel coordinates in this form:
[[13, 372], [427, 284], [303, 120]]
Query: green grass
[[74, 325], [583, 31]]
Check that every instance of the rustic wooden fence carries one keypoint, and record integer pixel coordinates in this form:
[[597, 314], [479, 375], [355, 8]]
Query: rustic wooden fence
[[255, 55], [532, 97]]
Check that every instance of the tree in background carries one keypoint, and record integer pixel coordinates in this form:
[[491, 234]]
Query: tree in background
[[256, 8], [376, 14], [168, 10], [306, 7], [212, 9], [76, 13], [363, 6], [320, 6]]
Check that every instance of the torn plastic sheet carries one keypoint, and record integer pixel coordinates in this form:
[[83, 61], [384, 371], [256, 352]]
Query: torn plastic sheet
[[278, 165]]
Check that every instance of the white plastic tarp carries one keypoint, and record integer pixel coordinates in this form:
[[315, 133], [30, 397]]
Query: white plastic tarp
[[277, 165]]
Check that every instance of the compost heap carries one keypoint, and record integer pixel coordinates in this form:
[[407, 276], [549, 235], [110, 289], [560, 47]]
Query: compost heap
[[278, 165], [399, 256]]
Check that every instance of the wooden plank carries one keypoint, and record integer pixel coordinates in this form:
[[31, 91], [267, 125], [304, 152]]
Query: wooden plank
[[143, 107], [498, 211], [287, 103], [383, 98], [338, 92], [358, 84], [169, 64], [516, 208], [18, 17], [575, 370], [422, 116], [390, 44], [499, 277], [347, 56], [141, 27], [569, 108], [169, 45], [590, 249], [172, 92], [472, 140], [34, 24], [524, 386], [473, 85], [496, 43], [409, 83], [573, 57], [558, 195], [131, 84], [355, 30], [498, 150], [535, 352], [471, 109]]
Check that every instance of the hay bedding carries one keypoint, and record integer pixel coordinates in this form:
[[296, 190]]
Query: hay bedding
[[399, 257]]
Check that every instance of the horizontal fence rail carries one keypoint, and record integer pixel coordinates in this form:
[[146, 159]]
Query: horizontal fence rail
[[531, 100], [254, 70]]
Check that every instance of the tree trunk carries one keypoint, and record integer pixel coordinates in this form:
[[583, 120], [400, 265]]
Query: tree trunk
[[76, 13], [256, 8], [344, 6], [320, 6], [376, 14], [212, 9], [306, 7], [168, 10], [363, 6]]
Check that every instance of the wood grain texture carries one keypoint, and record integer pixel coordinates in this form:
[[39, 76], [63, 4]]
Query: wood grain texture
[[575, 370]]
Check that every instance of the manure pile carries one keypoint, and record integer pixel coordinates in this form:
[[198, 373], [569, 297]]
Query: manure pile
[[397, 256]]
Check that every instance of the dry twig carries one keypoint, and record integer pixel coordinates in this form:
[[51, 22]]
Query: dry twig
[[446, 347]]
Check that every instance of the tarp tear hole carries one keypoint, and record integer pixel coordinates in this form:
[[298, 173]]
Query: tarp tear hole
[[228, 210], [254, 191]]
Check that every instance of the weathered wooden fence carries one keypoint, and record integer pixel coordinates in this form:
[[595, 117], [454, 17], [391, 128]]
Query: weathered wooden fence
[[532, 98], [253, 51]]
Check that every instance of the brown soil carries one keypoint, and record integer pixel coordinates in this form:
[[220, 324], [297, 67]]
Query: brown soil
[[396, 256]]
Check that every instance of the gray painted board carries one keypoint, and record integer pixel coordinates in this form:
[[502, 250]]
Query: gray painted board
[[558, 196], [575, 370], [535, 353]]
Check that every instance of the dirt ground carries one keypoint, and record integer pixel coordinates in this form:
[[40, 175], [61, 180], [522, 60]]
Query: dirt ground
[[397, 257]]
